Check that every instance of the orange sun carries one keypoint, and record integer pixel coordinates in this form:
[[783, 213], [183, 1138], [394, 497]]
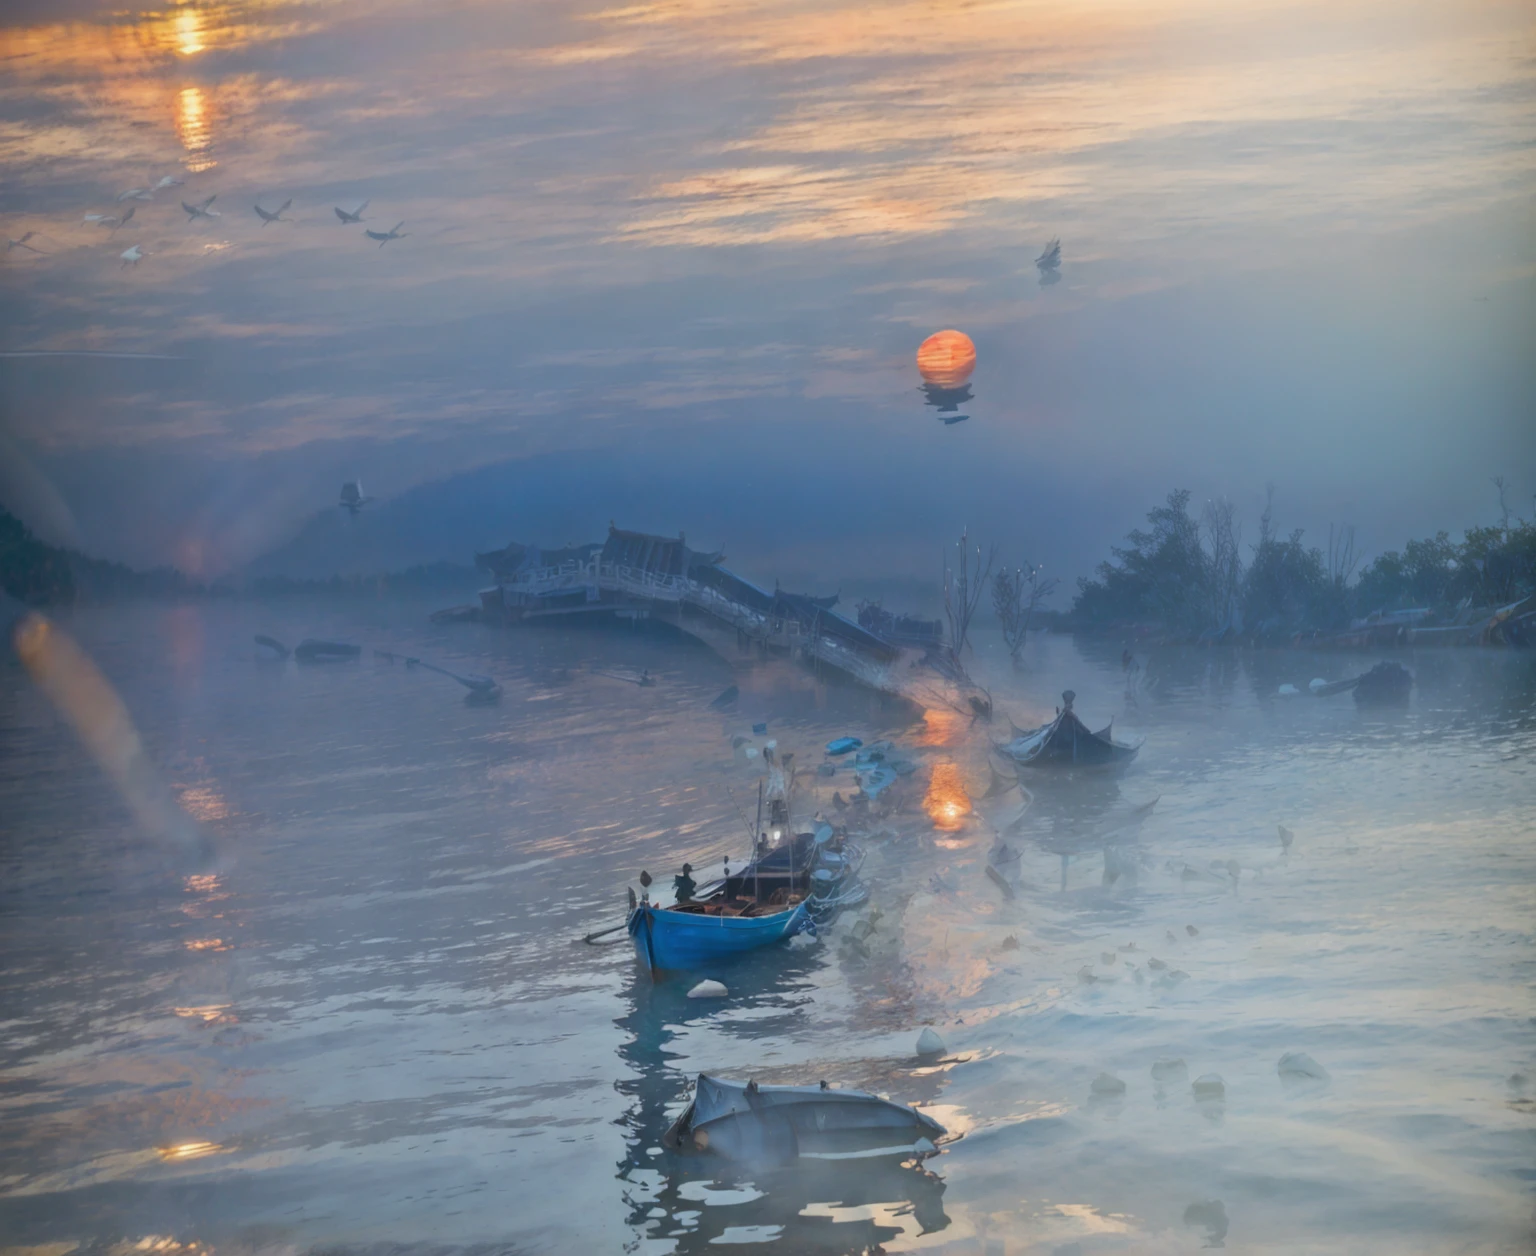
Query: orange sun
[[946, 358]]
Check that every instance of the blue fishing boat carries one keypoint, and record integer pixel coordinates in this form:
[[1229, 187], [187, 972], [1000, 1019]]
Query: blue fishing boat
[[696, 935], [784, 891]]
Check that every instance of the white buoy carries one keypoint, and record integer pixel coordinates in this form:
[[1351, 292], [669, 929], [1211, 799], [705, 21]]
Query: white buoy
[[1317, 683], [1107, 1084], [1289, 691], [1300, 1064], [708, 990], [929, 1043]]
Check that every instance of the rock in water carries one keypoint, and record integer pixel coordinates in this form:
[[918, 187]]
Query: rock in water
[[708, 990], [1108, 957], [1192, 931], [1156, 965], [1286, 836], [1085, 975], [1168, 1070], [1209, 1086], [1107, 1084], [929, 1043], [1300, 1064]]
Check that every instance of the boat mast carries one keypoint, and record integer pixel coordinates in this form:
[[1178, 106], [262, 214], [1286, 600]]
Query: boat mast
[[757, 857]]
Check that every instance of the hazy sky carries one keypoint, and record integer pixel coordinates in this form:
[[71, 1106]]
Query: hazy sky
[[692, 247]]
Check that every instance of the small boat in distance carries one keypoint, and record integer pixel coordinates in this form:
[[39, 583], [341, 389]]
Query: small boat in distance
[[776, 1124], [1066, 742]]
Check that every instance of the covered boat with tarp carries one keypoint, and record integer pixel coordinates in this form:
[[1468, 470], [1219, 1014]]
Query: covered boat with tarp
[[1066, 742], [776, 1124]]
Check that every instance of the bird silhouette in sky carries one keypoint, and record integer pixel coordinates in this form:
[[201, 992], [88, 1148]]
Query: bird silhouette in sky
[[135, 194], [22, 244], [355, 215], [275, 215], [384, 237], [201, 209], [167, 181]]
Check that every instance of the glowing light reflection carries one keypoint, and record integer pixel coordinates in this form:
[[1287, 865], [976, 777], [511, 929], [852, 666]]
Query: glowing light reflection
[[188, 1151], [947, 802], [193, 129], [189, 32]]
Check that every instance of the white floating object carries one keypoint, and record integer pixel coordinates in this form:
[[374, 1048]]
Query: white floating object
[[1107, 1084], [929, 1043], [1316, 683], [751, 752], [1300, 1064], [1289, 691], [708, 990], [1209, 1086], [924, 1147]]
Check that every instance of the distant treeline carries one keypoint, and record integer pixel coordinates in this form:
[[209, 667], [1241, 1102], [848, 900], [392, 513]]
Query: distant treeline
[[45, 575], [440, 577], [1193, 577], [41, 574]]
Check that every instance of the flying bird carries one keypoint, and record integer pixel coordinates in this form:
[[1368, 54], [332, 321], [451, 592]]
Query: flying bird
[[201, 210], [135, 194], [355, 215], [167, 181], [384, 237], [273, 215], [102, 219], [122, 221], [1051, 258], [133, 256], [352, 499], [22, 243]]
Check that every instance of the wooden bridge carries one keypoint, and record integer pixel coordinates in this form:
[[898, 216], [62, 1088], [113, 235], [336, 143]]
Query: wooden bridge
[[636, 576]]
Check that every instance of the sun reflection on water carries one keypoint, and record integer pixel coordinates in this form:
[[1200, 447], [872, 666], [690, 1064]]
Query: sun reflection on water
[[947, 802], [194, 130]]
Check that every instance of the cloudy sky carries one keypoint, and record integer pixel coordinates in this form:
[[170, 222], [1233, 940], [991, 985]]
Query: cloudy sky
[[673, 260]]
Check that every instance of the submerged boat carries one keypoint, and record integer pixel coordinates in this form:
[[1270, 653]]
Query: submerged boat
[[1066, 742], [779, 894], [312, 651], [776, 1124]]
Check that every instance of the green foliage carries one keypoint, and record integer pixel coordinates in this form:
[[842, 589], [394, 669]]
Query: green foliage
[[1180, 576], [1160, 574], [1285, 586]]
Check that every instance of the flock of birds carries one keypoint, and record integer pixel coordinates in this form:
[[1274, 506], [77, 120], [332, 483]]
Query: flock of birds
[[203, 209]]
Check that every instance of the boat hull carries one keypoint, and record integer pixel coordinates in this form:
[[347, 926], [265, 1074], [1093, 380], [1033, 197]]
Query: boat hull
[[667, 940]]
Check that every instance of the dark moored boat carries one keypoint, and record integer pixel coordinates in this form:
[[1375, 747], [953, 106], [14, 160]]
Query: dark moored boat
[[773, 898], [1385, 684], [312, 651], [775, 1124], [1066, 742]]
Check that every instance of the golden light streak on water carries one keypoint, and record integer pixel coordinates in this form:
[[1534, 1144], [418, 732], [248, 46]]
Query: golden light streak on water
[[947, 802], [209, 1012], [189, 1151], [207, 944], [204, 803], [193, 129]]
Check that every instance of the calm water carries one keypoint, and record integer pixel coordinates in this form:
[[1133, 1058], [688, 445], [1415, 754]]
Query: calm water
[[369, 1020]]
